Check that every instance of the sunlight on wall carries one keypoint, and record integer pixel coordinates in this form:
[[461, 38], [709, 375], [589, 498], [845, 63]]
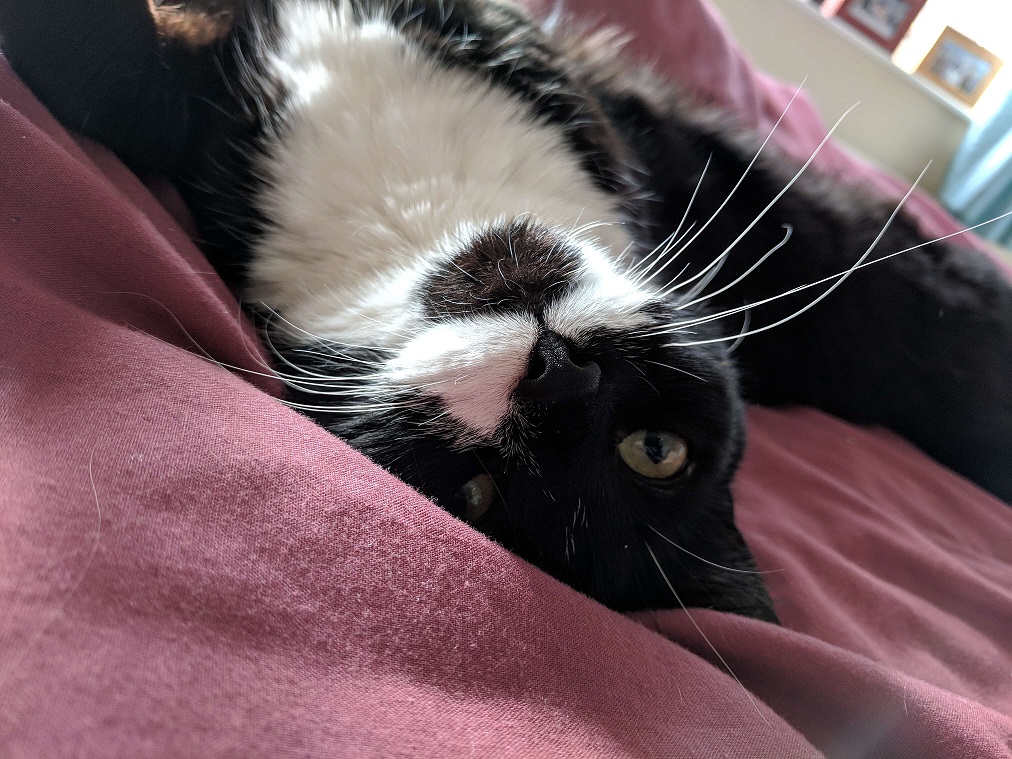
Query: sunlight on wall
[[986, 22]]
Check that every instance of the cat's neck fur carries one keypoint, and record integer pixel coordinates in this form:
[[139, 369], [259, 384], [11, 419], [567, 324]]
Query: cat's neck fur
[[389, 159]]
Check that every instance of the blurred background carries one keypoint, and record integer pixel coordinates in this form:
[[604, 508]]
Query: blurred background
[[934, 78]]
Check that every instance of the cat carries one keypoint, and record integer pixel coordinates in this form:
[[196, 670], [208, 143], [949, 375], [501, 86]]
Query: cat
[[526, 276]]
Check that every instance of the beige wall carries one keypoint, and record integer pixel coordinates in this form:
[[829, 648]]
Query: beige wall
[[900, 124]]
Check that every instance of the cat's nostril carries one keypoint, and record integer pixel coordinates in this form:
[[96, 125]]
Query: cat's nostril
[[554, 375], [537, 366]]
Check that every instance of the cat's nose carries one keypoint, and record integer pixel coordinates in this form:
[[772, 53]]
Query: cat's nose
[[554, 375]]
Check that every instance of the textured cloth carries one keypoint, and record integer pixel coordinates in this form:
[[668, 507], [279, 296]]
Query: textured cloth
[[189, 569]]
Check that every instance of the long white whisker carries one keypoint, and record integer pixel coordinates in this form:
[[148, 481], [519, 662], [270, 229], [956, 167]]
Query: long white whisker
[[294, 381], [203, 355], [298, 381], [742, 333], [678, 229], [678, 327], [839, 280], [703, 636], [674, 369], [931, 242], [337, 355], [752, 268], [660, 252], [358, 408], [705, 561], [321, 340], [718, 262], [591, 225], [746, 172]]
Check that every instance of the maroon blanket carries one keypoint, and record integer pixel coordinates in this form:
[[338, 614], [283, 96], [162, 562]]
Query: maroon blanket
[[187, 568]]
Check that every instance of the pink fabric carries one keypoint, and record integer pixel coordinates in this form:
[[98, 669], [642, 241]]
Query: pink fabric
[[190, 569]]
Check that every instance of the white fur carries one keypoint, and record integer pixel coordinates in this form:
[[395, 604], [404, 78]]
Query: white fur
[[603, 297], [389, 163], [472, 364]]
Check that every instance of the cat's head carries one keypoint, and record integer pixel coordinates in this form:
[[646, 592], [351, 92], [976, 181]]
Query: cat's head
[[450, 290], [527, 383]]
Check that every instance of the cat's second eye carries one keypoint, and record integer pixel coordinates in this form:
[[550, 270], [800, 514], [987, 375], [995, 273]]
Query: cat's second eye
[[653, 454], [478, 494]]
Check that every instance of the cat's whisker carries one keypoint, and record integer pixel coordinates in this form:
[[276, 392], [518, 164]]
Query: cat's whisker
[[704, 636], [318, 338], [620, 258], [742, 333], [591, 225], [332, 381], [368, 390], [498, 492], [662, 251], [340, 355], [674, 369], [678, 229], [840, 279], [278, 354], [666, 539], [747, 170], [710, 271], [930, 242], [255, 355], [678, 327], [348, 409], [752, 268], [203, 355]]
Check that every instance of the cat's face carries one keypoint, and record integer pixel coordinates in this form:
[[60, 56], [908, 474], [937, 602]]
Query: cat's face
[[527, 393]]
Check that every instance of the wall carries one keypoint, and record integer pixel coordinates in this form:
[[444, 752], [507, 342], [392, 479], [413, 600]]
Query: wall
[[900, 125]]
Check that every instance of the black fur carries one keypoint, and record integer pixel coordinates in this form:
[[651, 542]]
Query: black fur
[[919, 342]]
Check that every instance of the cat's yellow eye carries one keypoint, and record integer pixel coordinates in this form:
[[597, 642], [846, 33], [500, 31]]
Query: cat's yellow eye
[[657, 455], [478, 494]]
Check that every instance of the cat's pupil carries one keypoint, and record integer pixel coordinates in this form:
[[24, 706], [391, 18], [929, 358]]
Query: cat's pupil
[[478, 494], [472, 494], [653, 446]]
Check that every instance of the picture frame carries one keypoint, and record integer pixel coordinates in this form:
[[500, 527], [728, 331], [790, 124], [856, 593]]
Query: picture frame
[[884, 22], [959, 66]]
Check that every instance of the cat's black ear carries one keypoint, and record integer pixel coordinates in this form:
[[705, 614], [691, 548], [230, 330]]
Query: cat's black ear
[[136, 75]]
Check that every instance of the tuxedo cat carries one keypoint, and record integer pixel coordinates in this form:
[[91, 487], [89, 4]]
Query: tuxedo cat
[[525, 276]]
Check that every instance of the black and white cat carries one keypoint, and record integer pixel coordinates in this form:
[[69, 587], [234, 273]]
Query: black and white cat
[[511, 268]]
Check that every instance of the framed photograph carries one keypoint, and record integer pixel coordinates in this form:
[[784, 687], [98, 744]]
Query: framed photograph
[[959, 66], [882, 21]]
